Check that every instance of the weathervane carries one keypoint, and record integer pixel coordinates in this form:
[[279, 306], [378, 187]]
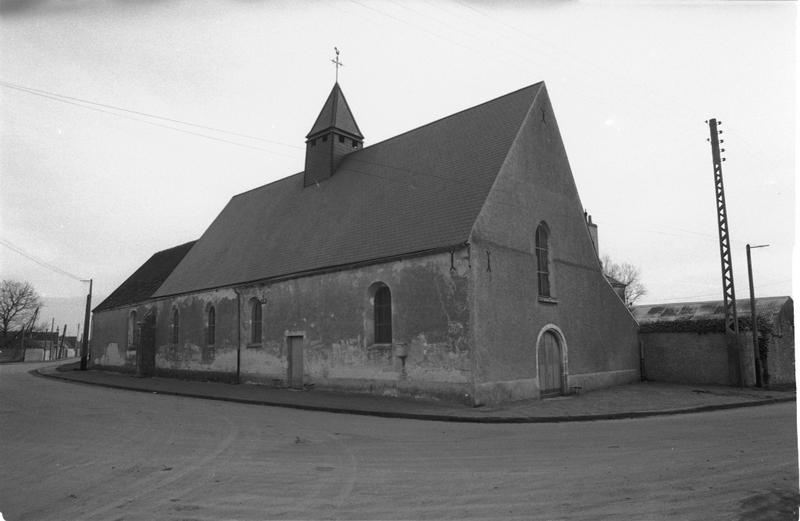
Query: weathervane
[[337, 63]]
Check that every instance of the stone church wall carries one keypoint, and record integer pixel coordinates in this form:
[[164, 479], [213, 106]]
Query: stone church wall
[[597, 333], [429, 354], [193, 356], [430, 351]]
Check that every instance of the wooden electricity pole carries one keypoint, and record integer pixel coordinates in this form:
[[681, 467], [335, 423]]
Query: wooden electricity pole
[[728, 293], [85, 340]]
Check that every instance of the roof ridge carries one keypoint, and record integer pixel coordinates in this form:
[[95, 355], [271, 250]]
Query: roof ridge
[[357, 152], [175, 247], [349, 110], [266, 185], [450, 115], [337, 228]]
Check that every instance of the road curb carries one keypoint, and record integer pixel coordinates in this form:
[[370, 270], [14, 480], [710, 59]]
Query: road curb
[[435, 417]]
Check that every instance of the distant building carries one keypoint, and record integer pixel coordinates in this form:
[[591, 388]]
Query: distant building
[[36, 346], [685, 342], [452, 260]]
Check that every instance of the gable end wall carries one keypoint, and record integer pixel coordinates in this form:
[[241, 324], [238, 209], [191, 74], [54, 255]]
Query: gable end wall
[[535, 184]]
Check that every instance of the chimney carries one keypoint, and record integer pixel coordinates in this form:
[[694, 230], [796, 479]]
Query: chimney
[[592, 227]]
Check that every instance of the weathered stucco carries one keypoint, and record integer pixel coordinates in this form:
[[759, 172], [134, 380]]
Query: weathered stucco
[[191, 356], [333, 312], [109, 347], [599, 343], [429, 353]]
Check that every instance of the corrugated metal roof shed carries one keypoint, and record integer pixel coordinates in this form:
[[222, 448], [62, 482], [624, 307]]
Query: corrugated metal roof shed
[[766, 307]]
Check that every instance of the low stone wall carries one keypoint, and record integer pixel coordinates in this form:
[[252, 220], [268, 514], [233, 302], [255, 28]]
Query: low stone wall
[[695, 358]]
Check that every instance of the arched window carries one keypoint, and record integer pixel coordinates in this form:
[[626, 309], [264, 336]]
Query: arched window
[[542, 260], [132, 329], [383, 315], [255, 321], [176, 327], [211, 329]]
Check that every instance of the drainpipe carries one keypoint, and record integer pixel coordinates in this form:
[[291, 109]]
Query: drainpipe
[[238, 335], [642, 368]]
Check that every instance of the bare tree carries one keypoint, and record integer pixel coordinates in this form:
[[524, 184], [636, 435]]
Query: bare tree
[[19, 305], [627, 274]]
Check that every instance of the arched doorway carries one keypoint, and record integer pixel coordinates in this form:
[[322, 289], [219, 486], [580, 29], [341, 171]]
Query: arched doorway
[[550, 360]]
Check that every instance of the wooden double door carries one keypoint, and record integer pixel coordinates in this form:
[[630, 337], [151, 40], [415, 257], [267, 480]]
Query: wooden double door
[[551, 370]]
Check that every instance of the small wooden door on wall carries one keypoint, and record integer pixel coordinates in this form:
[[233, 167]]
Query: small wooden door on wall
[[295, 349], [146, 353], [550, 371]]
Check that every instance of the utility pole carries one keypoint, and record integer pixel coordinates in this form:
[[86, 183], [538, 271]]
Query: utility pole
[[85, 341], [729, 295], [756, 354], [50, 338], [60, 354]]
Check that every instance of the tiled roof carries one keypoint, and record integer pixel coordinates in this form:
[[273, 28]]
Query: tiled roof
[[418, 191], [709, 310], [335, 114], [146, 280]]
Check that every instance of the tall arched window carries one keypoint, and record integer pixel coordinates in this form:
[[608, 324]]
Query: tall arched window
[[176, 327], [542, 260], [211, 329], [255, 321], [383, 315], [132, 329]]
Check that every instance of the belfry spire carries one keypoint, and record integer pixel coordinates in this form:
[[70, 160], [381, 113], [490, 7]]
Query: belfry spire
[[334, 134]]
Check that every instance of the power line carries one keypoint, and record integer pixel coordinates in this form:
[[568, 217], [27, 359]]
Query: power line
[[66, 99], [31, 90], [39, 261]]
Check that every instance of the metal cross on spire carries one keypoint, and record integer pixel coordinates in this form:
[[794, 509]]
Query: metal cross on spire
[[337, 63]]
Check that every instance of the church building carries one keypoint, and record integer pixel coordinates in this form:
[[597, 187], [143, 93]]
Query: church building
[[452, 261]]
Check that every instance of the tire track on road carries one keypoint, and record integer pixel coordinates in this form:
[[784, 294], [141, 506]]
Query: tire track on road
[[147, 485]]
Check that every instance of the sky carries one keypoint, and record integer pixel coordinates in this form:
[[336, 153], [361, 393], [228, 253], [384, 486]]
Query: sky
[[126, 126]]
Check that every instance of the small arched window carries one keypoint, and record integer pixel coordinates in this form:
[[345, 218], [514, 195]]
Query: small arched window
[[132, 329], [255, 321], [542, 260], [211, 329], [383, 315], [176, 327]]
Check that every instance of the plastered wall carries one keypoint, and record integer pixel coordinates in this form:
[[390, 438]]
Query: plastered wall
[[430, 352], [599, 336]]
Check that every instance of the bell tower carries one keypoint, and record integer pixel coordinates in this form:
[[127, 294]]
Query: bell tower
[[334, 135]]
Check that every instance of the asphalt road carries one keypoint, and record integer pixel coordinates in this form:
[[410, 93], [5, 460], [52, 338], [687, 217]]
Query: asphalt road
[[78, 452]]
